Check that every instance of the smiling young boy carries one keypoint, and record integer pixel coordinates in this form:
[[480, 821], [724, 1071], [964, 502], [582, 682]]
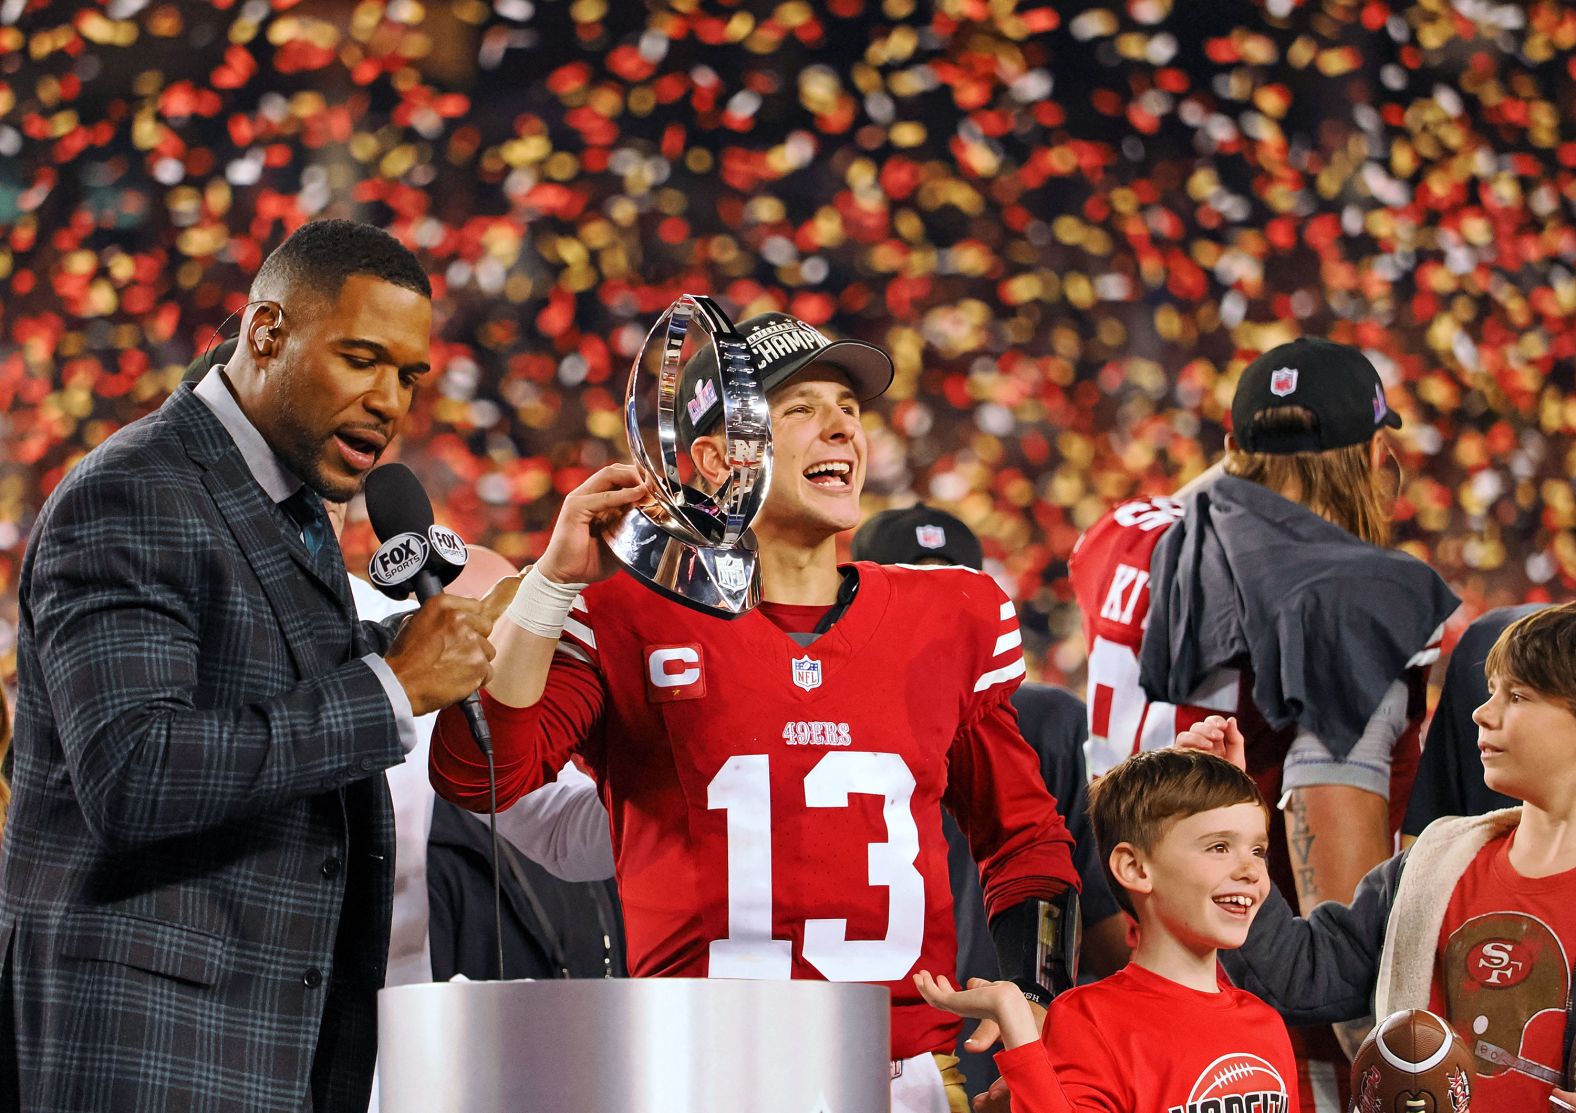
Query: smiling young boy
[[1476, 921], [1184, 836]]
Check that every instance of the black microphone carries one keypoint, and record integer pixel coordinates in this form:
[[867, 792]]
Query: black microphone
[[416, 556]]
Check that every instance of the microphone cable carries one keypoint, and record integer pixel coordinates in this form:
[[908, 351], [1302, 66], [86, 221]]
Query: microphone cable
[[492, 827]]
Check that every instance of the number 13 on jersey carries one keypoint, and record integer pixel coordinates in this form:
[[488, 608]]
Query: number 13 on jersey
[[742, 789]]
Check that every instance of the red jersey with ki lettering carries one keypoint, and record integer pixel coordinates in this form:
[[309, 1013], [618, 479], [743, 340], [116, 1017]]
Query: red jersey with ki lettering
[[1503, 977], [1141, 1043], [775, 808], [1109, 569]]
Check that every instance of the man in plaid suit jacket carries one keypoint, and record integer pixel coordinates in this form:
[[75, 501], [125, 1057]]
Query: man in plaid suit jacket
[[197, 873]]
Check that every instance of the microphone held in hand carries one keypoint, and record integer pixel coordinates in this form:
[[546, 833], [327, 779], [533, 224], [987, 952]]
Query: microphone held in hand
[[416, 555]]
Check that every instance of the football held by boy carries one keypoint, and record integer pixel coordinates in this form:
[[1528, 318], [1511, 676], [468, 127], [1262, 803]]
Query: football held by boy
[[775, 781]]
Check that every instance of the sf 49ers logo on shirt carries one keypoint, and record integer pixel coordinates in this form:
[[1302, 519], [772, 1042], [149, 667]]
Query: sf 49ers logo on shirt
[[674, 672], [1497, 963], [1237, 1083]]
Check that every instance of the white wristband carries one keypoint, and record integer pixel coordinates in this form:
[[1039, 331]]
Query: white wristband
[[540, 606]]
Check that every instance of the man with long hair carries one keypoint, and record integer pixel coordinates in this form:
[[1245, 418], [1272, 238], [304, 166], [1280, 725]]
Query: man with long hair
[[1268, 594]]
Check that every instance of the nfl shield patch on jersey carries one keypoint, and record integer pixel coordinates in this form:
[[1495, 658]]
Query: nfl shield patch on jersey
[[807, 673]]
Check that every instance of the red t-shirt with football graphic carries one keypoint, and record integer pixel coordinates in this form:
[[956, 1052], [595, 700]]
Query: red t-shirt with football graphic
[[775, 807], [1503, 977], [1141, 1043]]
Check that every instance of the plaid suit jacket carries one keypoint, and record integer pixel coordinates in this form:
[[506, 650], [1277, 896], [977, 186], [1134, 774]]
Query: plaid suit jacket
[[199, 799]]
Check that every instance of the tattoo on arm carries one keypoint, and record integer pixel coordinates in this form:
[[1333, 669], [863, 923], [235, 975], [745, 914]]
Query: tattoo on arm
[[1351, 1034], [1299, 841]]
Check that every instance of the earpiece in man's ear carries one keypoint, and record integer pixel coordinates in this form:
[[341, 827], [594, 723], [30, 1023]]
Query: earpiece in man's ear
[[265, 339]]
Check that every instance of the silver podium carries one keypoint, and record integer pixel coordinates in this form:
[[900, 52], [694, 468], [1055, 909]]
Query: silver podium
[[636, 1045]]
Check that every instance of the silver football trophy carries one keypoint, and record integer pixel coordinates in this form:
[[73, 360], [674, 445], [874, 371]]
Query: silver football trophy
[[694, 547]]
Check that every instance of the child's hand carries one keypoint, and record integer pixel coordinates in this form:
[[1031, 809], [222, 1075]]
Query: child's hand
[[1218, 736], [988, 1033], [1001, 1004], [982, 1000]]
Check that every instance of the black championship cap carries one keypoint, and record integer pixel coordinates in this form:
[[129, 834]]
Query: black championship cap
[[1333, 382], [916, 534], [781, 346]]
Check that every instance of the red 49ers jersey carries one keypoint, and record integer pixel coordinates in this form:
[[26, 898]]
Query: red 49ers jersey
[[775, 809], [1109, 570]]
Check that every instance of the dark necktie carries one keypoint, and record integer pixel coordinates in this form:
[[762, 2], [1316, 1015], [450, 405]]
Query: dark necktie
[[306, 510]]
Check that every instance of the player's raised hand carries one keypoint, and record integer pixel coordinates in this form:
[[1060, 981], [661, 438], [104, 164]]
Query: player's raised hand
[[1219, 736], [574, 554]]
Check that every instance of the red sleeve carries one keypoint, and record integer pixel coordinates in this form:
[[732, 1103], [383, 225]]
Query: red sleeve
[[1083, 1073], [1071, 1068], [1033, 1084], [998, 796], [530, 744]]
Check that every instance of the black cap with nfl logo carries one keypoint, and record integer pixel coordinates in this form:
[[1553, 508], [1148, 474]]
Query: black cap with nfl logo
[[915, 535], [1334, 382], [781, 345]]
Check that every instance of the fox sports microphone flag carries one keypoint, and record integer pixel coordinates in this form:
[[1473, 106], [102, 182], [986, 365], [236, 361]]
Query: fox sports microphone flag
[[412, 545]]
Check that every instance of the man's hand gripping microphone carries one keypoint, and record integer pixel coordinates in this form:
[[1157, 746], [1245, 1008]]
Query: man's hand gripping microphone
[[416, 556]]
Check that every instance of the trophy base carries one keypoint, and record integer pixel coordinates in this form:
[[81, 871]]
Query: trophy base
[[725, 582]]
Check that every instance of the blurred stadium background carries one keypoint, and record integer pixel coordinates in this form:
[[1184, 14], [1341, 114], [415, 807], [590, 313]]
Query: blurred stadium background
[[1070, 223]]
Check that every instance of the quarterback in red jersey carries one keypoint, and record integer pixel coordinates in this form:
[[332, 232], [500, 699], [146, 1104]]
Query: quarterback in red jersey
[[774, 782]]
